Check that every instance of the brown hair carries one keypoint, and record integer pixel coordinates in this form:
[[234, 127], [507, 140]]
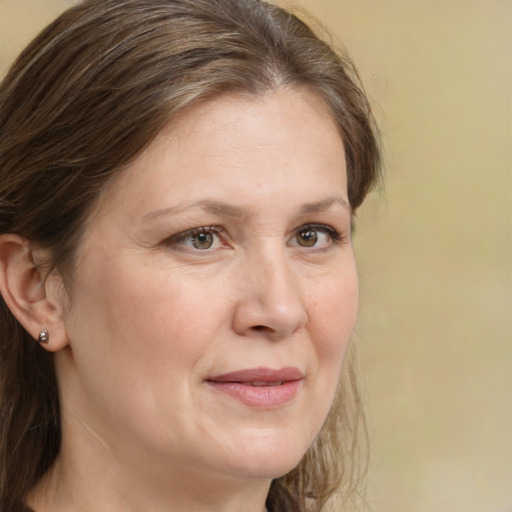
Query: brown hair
[[80, 103]]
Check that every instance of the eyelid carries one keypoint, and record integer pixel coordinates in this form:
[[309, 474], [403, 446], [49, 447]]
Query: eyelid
[[195, 231], [176, 241], [333, 233]]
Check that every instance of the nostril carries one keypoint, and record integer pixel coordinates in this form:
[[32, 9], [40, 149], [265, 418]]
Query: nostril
[[259, 327]]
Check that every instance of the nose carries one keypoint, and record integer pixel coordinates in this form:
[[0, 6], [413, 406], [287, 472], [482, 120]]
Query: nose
[[271, 302]]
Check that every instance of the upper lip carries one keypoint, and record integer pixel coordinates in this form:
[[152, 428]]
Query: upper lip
[[260, 375]]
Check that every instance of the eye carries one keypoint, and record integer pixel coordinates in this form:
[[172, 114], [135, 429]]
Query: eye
[[307, 237], [199, 239], [317, 236], [202, 240]]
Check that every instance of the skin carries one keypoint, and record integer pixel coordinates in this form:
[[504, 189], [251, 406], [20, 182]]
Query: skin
[[149, 314]]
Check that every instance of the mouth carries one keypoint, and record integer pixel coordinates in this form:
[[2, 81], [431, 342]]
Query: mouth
[[260, 388]]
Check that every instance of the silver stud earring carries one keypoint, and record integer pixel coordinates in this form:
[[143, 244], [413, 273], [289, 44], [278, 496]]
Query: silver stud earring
[[43, 337]]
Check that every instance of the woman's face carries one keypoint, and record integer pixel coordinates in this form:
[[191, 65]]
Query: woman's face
[[214, 294]]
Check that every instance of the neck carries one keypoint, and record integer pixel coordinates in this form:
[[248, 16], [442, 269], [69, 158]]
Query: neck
[[88, 476], [57, 492]]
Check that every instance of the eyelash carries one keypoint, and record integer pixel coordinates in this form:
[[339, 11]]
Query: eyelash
[[178, 239], [334, 235], [175, 240]]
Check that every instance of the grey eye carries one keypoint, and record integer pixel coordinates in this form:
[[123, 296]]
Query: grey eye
[[203, 241]]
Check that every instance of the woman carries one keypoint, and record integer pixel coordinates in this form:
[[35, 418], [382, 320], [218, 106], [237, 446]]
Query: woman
[[177, 184]]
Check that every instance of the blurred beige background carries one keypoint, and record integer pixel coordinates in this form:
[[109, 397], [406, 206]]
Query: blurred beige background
[[434, 251]]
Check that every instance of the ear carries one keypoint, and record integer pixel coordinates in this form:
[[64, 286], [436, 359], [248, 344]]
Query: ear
[[37, 299]]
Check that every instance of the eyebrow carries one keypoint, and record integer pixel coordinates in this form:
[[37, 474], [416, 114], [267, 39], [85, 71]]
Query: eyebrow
[[231, 210], [207, 205], [324, 205]]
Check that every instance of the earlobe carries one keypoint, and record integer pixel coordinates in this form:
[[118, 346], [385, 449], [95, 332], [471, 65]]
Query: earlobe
[[27, 291]]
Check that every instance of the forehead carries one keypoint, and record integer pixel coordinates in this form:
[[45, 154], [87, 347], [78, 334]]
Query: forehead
[[236, 141]]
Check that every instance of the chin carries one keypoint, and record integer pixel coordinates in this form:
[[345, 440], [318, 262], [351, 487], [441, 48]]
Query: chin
[[273, 467], [269, 458]]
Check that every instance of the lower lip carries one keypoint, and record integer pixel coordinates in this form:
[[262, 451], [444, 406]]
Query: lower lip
[[259, 397]]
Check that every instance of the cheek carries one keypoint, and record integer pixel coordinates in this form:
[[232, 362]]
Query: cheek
[[333, 314], [142, 320], [135, 336], [332, 317]]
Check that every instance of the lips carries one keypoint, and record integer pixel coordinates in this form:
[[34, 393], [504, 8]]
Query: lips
[[261, 388]]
